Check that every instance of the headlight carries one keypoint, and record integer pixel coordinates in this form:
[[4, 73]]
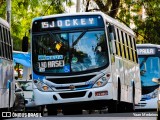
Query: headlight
[[154, 94], [42, 86], [102, 81]]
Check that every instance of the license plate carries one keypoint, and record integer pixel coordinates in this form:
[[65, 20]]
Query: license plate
[[101, 93]]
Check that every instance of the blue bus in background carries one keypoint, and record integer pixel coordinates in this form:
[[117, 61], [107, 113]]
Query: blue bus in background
[[149, 61]]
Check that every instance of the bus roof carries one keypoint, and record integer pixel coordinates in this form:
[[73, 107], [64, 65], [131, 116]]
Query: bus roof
[[105, 17], [4, 22], [148, 45]]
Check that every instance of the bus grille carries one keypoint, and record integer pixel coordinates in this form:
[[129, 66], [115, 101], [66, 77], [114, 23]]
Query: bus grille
[[76, 87], [73, 94], [70, 79]]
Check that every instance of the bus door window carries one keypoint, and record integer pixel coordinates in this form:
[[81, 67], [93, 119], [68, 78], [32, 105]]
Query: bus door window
[[154, 66], [143, 65], [150, 65], [1, 50]]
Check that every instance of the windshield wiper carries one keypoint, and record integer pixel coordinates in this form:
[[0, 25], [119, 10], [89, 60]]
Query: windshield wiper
[[57, 38], [79, 37]]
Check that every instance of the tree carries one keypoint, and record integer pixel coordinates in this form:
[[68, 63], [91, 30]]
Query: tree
[[23, 11], [2, 8], [1, 2], [150, 27], [109, 7], [130, 13]]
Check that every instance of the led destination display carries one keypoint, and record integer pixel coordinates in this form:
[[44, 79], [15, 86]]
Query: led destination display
[[90, 21], [146, 51]]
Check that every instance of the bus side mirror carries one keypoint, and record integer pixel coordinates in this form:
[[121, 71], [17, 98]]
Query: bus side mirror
[[18, 90], [142, 72], [25, 44], [112, 37], [156, 80]]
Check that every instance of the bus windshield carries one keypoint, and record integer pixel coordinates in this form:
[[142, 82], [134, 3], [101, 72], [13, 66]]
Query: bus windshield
[[150, 67], [69, 52]]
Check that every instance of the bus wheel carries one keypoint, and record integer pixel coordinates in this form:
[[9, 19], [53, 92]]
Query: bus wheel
[[131, 106], [72, 111], [42, 110], [158, 112], [51, 110], [112, 108]]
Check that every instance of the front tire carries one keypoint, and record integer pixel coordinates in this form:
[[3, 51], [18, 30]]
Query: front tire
[[131, 106], [115, 105], [51, 110], [72, 111], [112, 108]]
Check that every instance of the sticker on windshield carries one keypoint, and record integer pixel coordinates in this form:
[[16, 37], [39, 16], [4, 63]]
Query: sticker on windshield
[[51, 57], [51, 64], [58, 63], [67, 68], [41, 57], [41, 69], [74, 59]]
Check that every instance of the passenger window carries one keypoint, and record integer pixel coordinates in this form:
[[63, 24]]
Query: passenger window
[[125, 42], [130, 48], [121, 42]]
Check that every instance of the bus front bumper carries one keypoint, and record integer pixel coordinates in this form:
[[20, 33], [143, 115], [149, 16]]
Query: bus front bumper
[[95, 94]]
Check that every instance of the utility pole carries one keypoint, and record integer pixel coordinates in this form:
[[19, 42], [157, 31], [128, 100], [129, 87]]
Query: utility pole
[[78, 6], [8, 9]]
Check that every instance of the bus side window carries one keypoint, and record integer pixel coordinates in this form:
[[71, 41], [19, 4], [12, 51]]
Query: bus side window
[[117, 43], [130, 49], [10, 45], [6, 42], [121, 44], [126, 45], [135, 51], [3, 43], [118, 40], [0, 41], [112, 38], [129, 56]]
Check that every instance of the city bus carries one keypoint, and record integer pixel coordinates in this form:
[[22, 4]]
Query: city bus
[[149, 60], [7, 87], [84, 61]]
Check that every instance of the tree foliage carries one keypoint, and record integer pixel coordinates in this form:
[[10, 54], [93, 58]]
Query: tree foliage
[[130, 13], [23, 11], [145, 15], [127, 11], [109, 7], [150, 27]]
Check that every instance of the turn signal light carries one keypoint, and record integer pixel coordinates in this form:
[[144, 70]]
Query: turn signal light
[[45, 88]]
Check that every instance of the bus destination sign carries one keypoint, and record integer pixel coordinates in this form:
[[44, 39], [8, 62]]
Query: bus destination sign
[[146, 51], [74, 22]]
